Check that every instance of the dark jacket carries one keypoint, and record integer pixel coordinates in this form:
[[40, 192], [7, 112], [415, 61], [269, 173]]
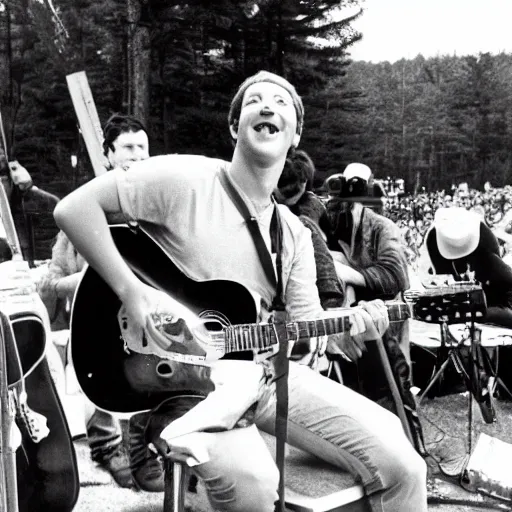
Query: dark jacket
[[377, 251], [311, 212], [490, 270], [312, 206]]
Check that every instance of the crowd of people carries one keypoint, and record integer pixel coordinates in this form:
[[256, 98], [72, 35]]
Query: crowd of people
[[256, 220], [414, 213]]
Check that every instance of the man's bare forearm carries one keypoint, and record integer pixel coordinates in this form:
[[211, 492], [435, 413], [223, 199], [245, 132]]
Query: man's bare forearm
[[82, 217]]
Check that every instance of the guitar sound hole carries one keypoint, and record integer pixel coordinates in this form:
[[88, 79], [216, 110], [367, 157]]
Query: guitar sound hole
[[213, 326], [163, 369]]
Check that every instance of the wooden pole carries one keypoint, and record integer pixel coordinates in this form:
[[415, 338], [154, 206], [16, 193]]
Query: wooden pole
[[8, 225], [88, 119]]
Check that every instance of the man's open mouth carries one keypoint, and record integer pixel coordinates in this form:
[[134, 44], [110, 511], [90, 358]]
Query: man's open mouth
[[266, 126]]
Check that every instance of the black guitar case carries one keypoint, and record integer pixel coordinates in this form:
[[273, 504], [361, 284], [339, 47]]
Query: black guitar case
[[47, 472]]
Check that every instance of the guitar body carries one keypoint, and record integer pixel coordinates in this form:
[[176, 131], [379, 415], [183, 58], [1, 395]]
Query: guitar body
[[97, 348], [46, 471]]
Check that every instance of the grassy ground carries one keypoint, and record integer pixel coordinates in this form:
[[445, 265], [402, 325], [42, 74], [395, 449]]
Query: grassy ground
[[445, 424], [446, 427]]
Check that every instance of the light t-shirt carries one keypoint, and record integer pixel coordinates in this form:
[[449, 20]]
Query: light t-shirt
[[180, 201]]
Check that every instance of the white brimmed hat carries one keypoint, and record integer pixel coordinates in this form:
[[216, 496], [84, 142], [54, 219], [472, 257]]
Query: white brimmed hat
[[457, 232], [356, 170]]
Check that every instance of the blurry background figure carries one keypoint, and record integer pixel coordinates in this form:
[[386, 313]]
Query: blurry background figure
[[20, 176], [125, 141], [19, 187], [367, 247], [5, 250], [295, 190], [370, 258]]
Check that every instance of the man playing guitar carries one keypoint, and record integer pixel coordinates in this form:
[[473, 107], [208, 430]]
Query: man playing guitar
[[181, 201]]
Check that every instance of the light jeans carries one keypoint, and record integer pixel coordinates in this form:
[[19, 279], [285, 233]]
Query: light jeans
[[326, 419]]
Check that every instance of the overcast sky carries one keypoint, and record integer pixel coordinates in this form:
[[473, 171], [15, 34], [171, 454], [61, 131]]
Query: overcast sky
[[393, 29]]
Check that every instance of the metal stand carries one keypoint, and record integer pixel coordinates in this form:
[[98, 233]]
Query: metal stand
[[391, 382], [453, 357], [471, 378], [176, 477]]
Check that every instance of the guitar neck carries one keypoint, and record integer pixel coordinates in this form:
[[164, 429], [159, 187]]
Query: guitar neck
[[261, 336]]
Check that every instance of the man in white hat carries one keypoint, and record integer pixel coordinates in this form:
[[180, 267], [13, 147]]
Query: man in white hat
[[462, 245]]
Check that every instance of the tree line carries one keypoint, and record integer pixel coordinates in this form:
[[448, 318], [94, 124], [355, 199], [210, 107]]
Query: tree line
[[432, 121]]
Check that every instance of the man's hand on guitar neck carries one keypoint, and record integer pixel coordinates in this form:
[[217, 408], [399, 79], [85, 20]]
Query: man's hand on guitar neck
[[368, 321], [378, 312]]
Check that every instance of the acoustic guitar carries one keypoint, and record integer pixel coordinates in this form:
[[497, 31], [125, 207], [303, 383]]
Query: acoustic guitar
[[102, 338]]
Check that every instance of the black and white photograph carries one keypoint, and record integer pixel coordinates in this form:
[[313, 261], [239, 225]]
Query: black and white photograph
[[255, 256]]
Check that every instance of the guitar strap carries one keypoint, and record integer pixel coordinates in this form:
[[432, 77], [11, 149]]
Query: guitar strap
[[281, 363]]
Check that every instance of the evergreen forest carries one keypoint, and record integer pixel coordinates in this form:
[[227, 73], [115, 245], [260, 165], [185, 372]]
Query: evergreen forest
[[431, 121]]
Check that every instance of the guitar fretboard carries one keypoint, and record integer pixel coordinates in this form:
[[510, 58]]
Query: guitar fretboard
[[261, 336], [248, 336], [315, 328]]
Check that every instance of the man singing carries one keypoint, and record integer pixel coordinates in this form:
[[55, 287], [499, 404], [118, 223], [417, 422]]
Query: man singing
[[181, 200]]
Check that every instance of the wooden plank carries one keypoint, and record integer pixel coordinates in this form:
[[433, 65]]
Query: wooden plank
[[88, 119]]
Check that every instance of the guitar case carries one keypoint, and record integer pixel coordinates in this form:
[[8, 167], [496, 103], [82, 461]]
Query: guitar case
[[46, 471]]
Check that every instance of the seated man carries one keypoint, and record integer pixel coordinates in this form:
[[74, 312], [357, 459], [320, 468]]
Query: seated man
[[185, 202], [370, 258], [367, 247], [125, 142], [462, 245]]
